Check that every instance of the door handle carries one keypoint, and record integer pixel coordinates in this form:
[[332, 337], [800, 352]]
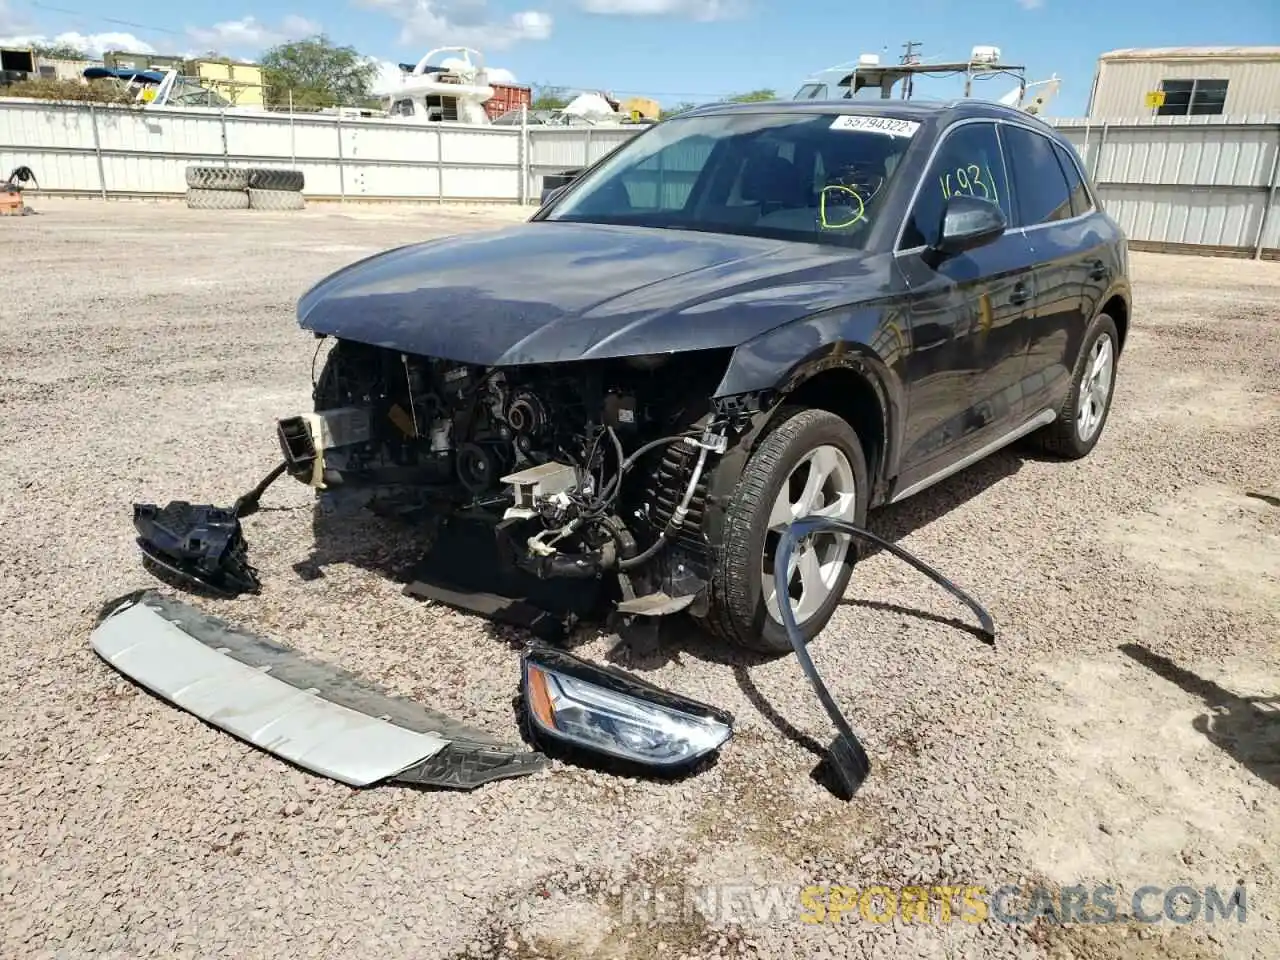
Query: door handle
[[1021, 293], [1097, 270]]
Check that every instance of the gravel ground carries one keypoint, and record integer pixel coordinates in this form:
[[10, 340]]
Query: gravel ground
[[147, 351]]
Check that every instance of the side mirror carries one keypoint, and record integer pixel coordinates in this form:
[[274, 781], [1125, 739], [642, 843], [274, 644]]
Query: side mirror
[[550, 193], [969, 222], [553, 184]]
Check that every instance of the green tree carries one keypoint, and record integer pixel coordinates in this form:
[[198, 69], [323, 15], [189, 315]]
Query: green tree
[[753, 96], [318, 73], [59, 51], [547, 97], [678, 108]]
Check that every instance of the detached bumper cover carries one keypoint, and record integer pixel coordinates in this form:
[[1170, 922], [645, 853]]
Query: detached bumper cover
[[320, 718]]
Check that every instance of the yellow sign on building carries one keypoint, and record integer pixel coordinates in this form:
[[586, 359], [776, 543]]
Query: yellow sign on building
[[1155, 99]]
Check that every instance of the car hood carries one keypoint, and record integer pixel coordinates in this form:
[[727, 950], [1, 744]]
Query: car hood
[[543, 292]]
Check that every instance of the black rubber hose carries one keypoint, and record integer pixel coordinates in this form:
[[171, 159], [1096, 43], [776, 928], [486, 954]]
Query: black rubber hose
[[248, 504], [649, 552], [630, 461]]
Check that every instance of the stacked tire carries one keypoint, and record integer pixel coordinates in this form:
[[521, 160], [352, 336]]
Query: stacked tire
[[217, 188], [244, 188], [271, 189]]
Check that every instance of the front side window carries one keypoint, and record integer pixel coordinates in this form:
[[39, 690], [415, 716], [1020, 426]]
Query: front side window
[[1043, 193], [797, 176], [969, 162]]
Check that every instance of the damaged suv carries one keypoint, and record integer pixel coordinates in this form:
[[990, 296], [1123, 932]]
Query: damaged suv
[[744, 315]]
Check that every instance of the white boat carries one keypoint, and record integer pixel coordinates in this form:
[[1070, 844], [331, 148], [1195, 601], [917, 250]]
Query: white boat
[[442, 88]]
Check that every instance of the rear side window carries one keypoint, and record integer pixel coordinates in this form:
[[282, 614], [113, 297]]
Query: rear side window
[[969, 162], [1080, 202], [1043, 193]]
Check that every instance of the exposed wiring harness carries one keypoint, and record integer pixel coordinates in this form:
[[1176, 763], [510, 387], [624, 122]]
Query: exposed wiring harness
[[847, 756], [598, 508]]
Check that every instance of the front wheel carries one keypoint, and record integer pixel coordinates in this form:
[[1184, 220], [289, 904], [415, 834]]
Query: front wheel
[[810, 463]]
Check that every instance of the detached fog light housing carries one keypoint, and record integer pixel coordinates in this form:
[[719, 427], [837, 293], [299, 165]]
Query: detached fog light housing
[[616, 714]]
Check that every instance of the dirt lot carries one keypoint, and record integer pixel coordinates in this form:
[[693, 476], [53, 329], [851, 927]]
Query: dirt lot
[[147, 351]]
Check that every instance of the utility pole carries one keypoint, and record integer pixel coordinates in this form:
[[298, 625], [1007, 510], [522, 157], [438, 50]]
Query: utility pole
[[909, 56]]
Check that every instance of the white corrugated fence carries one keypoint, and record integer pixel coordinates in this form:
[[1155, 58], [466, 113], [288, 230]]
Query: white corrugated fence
[[1174, 183]]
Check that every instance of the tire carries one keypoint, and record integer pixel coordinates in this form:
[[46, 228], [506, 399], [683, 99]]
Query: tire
[[264, 178], [217, 199], [738, 611], [276, 200], [218, 178], [1068, 438]]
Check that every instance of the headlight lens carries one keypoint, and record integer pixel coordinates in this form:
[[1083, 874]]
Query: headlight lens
[[601, 714]]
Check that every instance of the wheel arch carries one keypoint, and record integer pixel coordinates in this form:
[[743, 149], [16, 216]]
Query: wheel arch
[[849, 380], [852, 392], [1116, 306]]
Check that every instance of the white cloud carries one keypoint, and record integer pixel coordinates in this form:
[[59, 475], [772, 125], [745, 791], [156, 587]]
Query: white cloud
[[246, 35], [465, 22], [701, 10], [92, 45], [249, 33]]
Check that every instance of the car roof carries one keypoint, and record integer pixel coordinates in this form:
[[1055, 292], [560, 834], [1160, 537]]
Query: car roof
[[895, 109]]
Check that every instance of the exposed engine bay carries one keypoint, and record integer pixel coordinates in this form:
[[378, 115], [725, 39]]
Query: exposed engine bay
[[583, 468], [592, 471]]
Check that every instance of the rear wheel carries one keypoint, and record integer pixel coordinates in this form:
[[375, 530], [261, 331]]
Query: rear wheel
[[1084, 413], [810, 463]]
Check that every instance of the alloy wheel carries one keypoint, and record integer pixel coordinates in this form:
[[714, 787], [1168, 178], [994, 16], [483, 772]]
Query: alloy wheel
[[1095, 388], [820, 484]]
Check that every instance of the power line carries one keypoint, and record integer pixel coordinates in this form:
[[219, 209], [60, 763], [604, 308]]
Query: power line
[[100, 19]]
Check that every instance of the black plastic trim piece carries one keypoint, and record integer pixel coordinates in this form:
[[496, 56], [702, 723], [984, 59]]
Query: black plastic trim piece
[[848, 758]]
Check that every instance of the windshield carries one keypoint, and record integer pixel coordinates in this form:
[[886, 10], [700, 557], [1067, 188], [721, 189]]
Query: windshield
[[796, 176]]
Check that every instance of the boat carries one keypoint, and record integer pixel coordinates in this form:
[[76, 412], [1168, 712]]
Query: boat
[[154, 89], [442, 88]]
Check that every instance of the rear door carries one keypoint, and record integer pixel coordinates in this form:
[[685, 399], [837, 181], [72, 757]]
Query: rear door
[[967, 333], [1054, 211]]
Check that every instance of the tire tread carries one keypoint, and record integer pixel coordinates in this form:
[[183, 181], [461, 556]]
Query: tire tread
[[218, 178], [1059, 438], [730, 586]]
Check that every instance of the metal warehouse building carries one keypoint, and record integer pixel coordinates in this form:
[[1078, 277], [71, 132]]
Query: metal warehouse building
[[1186, 81]]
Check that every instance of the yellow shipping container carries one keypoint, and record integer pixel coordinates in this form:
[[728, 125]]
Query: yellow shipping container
[[241, 83]]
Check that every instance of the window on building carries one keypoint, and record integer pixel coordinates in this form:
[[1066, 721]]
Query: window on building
[[1183, 98]]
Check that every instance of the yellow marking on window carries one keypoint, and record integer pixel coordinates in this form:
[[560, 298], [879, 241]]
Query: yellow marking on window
[[822, 207]]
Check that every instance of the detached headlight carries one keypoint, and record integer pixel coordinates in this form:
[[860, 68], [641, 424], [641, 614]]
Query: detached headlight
[[611, 712]]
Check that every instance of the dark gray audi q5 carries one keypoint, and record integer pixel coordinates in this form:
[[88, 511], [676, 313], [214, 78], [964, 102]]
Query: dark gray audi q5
[[745, 314]]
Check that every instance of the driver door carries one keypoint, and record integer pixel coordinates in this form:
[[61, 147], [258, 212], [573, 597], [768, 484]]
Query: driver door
[[967, 313]]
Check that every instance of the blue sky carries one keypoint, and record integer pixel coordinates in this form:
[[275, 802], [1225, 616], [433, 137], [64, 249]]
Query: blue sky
[[673, 50]]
